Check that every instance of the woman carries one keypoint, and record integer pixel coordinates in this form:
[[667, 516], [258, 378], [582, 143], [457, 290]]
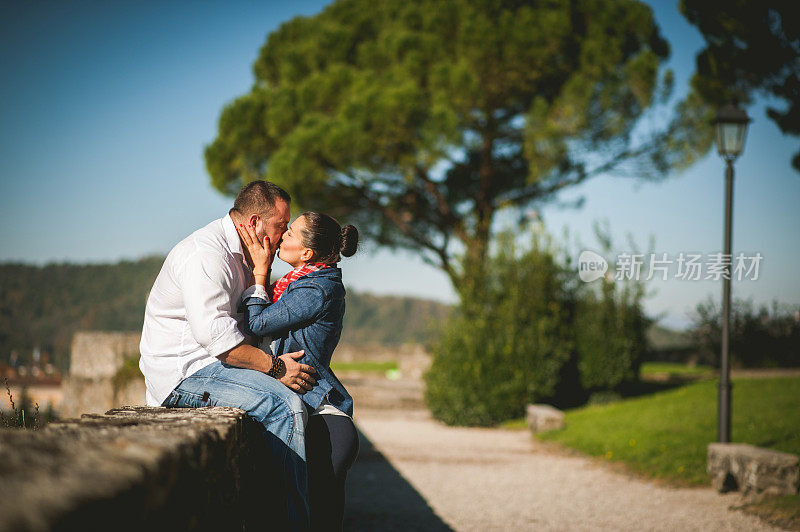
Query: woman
[[303, 311]]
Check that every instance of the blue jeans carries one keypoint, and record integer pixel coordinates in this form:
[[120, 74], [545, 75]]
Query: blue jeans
[[268, 401]]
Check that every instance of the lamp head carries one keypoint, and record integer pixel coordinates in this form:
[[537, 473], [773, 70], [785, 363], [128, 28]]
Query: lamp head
[[731, 125]]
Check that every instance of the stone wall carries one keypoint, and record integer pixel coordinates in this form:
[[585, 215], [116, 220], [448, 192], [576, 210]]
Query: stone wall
[[95, 359], [137, 468], [98, 355]]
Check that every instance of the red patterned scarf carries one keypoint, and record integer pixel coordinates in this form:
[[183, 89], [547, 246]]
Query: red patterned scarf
[[276, 289]]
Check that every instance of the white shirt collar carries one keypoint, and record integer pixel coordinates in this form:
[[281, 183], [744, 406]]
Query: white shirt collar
[[231, 235]]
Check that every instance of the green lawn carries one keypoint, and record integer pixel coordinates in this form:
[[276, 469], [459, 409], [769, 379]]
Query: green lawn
[[665, 435], [678, 370], [378, 367]]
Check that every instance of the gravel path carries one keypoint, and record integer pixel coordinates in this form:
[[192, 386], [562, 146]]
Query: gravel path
[[416, 474]]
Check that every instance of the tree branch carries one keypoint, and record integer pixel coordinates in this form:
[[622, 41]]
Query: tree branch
[[449, 218]]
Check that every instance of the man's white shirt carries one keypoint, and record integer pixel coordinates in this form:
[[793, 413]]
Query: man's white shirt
[[192, 311]]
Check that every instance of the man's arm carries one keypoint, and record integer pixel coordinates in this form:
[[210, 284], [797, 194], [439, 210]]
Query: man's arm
[[295, 375], [206, 284], [248, 357]]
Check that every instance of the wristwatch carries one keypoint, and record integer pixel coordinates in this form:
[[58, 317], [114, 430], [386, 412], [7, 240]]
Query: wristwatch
[[278, 367]]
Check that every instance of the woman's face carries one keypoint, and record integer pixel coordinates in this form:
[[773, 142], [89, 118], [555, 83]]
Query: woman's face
[[292, 249]]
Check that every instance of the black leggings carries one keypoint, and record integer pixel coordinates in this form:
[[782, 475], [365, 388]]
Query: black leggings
[[331, 449]]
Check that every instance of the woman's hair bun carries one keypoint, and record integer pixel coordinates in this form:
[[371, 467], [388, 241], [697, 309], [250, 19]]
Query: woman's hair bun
[[349, 240], [327, 239]]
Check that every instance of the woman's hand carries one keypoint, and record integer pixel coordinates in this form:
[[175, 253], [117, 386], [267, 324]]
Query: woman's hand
[[261, 254]]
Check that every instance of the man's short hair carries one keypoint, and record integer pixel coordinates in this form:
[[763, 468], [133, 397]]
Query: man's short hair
[[258, 197]]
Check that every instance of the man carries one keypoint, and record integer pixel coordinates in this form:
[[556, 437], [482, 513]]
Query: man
[[194, 353]]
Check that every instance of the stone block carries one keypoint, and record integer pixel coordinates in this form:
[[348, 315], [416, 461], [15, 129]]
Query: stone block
[[541, 418], [98, 355], [95, 359], [138, 468], [754, 471], [95, 396]]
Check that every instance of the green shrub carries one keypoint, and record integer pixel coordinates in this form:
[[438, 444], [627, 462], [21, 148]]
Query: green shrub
[[527, 331], [128, 372], [610, 336], [507, 341]]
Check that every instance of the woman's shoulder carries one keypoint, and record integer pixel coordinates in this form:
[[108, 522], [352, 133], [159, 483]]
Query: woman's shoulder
[[329, 280]]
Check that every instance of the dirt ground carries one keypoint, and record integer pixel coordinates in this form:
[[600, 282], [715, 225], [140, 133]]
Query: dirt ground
[[414, 473]]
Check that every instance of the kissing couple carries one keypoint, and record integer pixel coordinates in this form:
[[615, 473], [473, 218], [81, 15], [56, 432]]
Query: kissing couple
[[218, 332]]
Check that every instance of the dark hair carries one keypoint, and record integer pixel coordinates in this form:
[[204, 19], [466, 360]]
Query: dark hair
[[327, 239], [258, 197]]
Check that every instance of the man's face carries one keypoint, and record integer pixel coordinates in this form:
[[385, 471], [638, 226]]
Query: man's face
[[275, 225]]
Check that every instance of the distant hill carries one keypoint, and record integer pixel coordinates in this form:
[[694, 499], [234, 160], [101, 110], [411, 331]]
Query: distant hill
[[42, 306], [391, 320], [662, 338]]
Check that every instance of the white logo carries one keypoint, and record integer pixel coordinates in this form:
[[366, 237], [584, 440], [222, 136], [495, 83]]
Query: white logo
[[591, 266]]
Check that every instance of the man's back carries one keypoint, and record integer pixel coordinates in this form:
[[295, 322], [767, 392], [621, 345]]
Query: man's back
[[191, 314]]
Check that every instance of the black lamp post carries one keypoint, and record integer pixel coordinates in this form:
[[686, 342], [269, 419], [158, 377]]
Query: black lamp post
[[731, 125]]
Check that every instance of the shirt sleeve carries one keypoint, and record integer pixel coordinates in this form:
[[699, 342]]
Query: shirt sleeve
[[295, 308], [255, 290], [207, 282]]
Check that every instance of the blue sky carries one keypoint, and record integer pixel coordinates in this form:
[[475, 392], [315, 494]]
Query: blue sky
[[106, 108]]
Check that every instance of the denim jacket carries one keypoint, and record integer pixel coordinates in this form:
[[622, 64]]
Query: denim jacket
[[308, 316]]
